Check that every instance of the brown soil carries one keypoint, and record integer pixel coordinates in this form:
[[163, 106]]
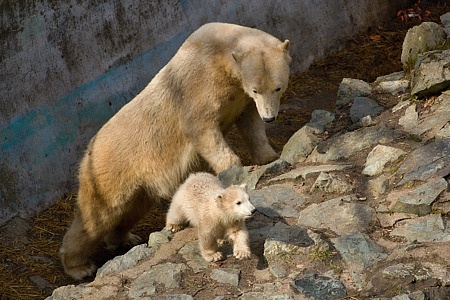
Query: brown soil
[[32, 256]]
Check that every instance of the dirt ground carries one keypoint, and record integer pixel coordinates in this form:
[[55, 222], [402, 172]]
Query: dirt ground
[[29, 261]]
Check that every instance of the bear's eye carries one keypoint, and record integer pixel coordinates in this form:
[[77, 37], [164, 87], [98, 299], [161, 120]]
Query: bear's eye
[[238, 203], [277, 89], [255, 91]]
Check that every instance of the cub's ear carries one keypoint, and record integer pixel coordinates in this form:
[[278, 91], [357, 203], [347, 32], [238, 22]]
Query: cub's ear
[[244, 186], [284, 46], [219, 198]]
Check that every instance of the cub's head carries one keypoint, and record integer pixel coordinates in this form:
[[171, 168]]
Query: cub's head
[[235, 203], [265, 75]]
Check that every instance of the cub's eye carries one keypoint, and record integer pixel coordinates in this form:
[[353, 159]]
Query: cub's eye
[[238, 203], [255, 91], [277, 89]]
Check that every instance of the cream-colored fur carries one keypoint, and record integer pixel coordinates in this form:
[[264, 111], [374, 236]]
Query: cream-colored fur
[[222, 75], [217, 213]]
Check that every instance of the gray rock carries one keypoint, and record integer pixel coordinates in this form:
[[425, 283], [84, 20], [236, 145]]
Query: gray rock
[[420, 39], [309, 171], [351, 88], [420, 271], [389, 219], [321, 118], [379, 186], [301, 144], [362, 107], [278, 270], [431, 160], [250, 175], [410, 119], [429, 228], [390, 77], [379, 157], [394, 87], [159, 237], [348, 144], [444, 133], [419, 295], [445, 19], [430, 121], [167, 274], [72, 292], [418, 201], [342, 215], [319, 287], [402, 104], [191, 254], [277, 201], [332, 184], [358, 252], [284, 241], [128, 260], [431, 73], [177, 297], [226, 275]]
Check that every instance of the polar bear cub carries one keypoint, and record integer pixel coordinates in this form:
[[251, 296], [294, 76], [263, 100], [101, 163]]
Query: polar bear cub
[[216, 212]]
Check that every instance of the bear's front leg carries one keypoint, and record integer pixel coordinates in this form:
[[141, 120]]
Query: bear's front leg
[[253, 130], [209, 141]]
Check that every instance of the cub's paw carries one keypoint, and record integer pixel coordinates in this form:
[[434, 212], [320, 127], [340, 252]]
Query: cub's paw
[[242, 253], [174, 227], [80, 272], [214, 256]]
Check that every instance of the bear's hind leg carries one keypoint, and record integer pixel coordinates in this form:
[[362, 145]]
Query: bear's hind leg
[[139, 204], [76, 249]]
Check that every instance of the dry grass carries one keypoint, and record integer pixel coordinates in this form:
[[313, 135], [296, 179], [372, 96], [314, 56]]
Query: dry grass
[[374, 53]]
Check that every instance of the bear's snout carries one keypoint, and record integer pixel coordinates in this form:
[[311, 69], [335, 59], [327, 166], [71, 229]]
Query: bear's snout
[[269, 120]]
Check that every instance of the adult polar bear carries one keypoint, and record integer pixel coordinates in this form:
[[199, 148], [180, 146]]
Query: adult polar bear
[[223, 74]]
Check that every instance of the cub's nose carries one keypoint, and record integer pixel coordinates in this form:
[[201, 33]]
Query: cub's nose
[[269, 120], [253, 210]]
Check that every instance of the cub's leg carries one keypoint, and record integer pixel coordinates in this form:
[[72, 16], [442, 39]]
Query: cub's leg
[[208, 245], [239, 237], [176, 219], [253, 129]]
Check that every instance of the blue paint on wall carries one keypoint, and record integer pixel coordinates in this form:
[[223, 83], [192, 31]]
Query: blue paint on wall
[[42, 140]]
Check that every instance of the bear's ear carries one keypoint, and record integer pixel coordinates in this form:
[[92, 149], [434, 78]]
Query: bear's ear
[[237, 57], [285, 46], [244, 186]]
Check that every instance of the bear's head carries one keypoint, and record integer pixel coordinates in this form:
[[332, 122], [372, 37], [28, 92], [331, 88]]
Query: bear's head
[[235, 203], [265, 74]]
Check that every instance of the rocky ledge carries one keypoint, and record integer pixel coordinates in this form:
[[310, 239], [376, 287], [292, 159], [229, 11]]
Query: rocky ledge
[[356, 207]]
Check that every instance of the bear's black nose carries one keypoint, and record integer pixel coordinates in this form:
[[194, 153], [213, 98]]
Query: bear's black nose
[[269, 120], [253, 210]]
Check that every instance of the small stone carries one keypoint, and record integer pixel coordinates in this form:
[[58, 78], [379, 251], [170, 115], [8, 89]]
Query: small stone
[[351, 88], [227, 276], [315, 286], [379, 157]]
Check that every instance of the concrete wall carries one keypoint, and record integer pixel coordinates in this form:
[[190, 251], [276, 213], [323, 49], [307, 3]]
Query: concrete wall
[[67, 66]]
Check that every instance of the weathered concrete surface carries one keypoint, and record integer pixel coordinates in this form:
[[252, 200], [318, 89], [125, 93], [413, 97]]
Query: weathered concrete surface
[[67, 67]]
